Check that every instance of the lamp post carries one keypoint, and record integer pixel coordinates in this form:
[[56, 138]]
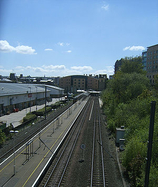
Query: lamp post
[[26, 101], [13, 131], [36, 98], [45, 99], [30, 98]]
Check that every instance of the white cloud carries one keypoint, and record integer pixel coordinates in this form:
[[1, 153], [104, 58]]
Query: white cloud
[[6, 47], [126, 48], [61, 44], [56, 70], [48, 49], [82, 68], [105, 7], [52, 67], [69, 51], [44, 69], [109, 70], [134, 48], [25, 50]]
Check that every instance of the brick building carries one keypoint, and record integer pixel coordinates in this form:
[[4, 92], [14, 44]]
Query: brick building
[[83, 82], [152, 62]]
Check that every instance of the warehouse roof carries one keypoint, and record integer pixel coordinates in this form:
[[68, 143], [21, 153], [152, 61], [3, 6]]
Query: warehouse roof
[[19, 88], [16, 88], [54, 87]]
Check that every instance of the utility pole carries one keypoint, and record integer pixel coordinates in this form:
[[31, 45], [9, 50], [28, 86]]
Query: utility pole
[[14, 131], [30, 95], [150, 141], [45, 99]]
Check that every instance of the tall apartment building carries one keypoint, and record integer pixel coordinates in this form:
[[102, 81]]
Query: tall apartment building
[[150, 59], [144, 58], [12, 76], [118, 65]]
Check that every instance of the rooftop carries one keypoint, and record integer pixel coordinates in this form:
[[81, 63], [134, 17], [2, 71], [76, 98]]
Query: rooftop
[[16, 88]]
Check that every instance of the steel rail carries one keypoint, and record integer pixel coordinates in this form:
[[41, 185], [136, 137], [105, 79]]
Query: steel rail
[[101, 147], [92, 167], [61, 154], [49, 165], [72, 148], [97, 134], [65, 147]]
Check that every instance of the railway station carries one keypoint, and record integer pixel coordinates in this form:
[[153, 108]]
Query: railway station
[[25, 166], [73, 138]]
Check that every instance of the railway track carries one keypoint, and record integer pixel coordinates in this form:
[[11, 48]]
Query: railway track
[[55, 175], [59, 172], [98, 174]]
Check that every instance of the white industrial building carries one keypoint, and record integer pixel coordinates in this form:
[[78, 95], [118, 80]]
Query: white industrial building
[[15, 96]]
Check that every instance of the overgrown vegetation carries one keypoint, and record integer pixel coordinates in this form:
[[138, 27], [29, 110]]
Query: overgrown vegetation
[[41, 112], [2, 137], [127, 102], [29, 117]]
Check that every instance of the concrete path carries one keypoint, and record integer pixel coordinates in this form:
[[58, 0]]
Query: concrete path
[[16, 117]]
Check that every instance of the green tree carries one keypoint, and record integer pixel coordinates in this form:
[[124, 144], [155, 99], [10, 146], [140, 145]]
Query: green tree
[[127, 101], [156, 83], [127, 86], [2, 137], [132, 65]]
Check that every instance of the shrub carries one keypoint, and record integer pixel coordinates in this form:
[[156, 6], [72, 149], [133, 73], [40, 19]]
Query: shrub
[[29, 117], [2, 137], [133, 159]]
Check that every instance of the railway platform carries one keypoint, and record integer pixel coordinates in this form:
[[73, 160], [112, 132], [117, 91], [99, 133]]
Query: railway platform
[[25, 165]]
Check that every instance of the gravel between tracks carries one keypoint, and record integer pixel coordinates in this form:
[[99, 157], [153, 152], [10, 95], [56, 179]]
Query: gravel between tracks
[[78, 173]]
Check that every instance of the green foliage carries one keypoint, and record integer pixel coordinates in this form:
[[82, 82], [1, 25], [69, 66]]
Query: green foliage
[[126, 86], [29, 117], [2, 137], [42, 110], [56, 105], [132, 65], [153, 176], [2, 125], [127, 101], [111, 125], [156, 83]]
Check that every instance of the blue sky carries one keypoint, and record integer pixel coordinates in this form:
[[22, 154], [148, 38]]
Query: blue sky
[[68, 37]]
